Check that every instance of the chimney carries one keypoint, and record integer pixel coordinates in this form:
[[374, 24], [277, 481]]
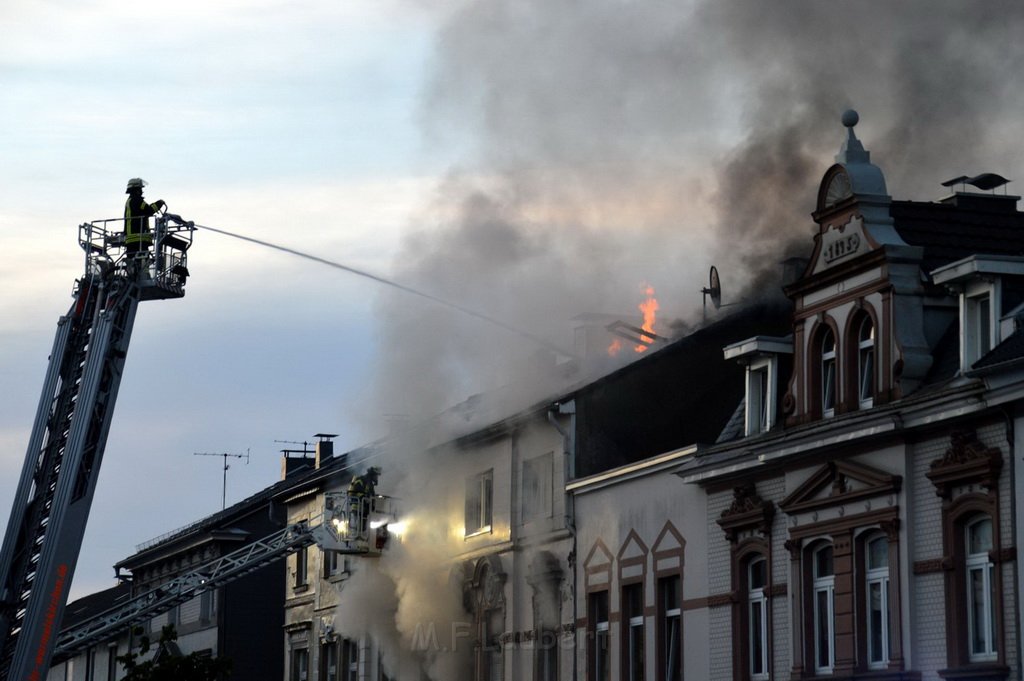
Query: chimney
[[290, 465], [324, 447]]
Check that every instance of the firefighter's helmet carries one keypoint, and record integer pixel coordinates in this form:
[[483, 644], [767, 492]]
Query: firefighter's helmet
[[374, 471], [135, 183]]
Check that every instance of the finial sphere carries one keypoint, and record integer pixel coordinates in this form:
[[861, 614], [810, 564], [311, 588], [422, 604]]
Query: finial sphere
[[850, 118]]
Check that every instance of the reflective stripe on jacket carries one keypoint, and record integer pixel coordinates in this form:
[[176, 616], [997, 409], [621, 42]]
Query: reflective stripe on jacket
[[136, 220]]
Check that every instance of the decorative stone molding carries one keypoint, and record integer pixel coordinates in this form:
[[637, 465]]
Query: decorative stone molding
[[748, 512], [967, 461]]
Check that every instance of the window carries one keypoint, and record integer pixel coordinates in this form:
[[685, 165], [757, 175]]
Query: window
[[537, 487], [350, 668], [866, 363], [758, 400], [207, 606], [876, 576], [978, 334], [823, 603], [479, 494], [546, 655], [600, 653], [670, 622], [300, 664], [301, 563], [828, 373], [757, 617], [329, 661], [633, 632], [112, 663], [981, 618], [334, 563], [90, 665]]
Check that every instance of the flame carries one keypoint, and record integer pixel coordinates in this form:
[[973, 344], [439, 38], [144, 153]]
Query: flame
[[649, 309]]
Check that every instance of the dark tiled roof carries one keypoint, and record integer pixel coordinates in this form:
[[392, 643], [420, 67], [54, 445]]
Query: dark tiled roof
[[945, 357], [1010, 350], [681, 395], [93, 604], [949, 233], [736, 426]]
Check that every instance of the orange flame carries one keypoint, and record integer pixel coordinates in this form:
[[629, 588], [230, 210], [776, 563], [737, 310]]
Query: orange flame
[[649, 309]]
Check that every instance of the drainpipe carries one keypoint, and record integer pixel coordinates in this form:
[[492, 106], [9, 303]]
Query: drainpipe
[[568, 473]]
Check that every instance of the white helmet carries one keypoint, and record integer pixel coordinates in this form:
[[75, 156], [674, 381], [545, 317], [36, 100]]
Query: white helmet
[[135, 183]]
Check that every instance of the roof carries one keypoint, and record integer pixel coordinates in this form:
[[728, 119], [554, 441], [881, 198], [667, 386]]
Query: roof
[[84, 608], [1010, 351]]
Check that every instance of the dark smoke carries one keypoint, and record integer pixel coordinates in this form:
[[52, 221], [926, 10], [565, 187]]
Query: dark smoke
[[609, 143]]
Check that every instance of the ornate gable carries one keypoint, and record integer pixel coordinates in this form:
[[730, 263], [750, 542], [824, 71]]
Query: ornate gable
[[840, 482], [748, 513], [967, 462]]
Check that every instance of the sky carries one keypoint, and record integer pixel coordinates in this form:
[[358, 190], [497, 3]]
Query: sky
[[534, 160]]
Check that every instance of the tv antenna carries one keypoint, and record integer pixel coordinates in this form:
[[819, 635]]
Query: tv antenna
[[225, 456], [305, 447]]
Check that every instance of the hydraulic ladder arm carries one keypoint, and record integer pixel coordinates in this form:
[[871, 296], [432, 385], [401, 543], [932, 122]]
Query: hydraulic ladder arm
[[55, 490]]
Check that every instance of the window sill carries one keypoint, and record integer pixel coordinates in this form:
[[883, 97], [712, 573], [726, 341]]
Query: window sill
[[486, 529], [977, 671]]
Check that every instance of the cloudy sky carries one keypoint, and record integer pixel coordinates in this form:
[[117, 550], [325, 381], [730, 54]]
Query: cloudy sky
[[533, 160]]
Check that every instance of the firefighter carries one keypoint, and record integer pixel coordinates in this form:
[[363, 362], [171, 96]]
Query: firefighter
[[361, 491], [137, 236]]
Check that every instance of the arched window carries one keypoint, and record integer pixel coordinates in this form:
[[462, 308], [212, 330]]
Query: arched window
[[757, 617], [823, 603], [876, 578], [827, 352], [866, 363], [981, 617]]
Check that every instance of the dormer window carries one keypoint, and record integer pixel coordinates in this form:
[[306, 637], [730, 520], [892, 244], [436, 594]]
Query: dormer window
[[866, 363], [979, 283], [828, 373], [761, 357]]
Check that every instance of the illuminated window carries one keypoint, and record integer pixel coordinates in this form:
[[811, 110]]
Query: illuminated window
[[479, 494]]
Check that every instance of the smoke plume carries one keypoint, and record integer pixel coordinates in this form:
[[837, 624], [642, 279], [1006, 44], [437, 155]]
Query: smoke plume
[[604, 145]]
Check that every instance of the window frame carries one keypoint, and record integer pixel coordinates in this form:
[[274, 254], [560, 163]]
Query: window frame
[[329, 652], [296, 671], [980, 562], [599, 635], [670, 626], [633, 630], [865, 347], [480, 503], [880, 576], [762, 378], [829, 368], [822, 585], [756, 596], [537, 487], [300, 580]]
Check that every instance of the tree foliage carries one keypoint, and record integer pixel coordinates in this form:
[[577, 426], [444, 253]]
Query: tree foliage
[[164, 665]]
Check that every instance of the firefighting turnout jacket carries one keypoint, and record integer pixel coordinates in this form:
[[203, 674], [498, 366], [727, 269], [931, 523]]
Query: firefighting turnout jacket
[[136, 222]]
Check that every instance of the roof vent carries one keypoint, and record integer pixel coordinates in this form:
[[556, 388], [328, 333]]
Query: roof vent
[[984, 182]]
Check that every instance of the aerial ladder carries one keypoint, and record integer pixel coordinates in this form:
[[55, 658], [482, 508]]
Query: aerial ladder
[[349, 524], [58, 479]]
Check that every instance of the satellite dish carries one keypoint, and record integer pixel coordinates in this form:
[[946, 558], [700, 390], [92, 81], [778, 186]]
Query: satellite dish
[[714, 289]]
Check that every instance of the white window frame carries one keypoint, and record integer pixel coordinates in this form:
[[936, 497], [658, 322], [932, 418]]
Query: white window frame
[[761, 381], [980, 563], [828, 359], [865, 347], [757, 625], [973, 337], [823, 584], [877, 577], [482, 486]]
